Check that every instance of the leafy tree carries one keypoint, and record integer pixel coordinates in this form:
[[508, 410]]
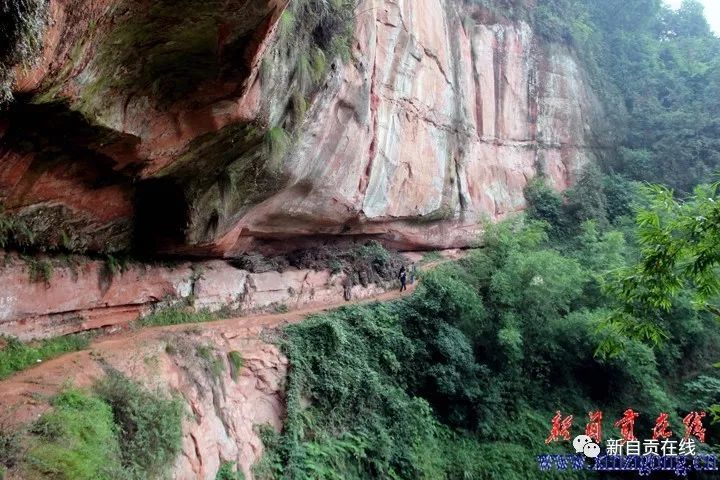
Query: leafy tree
[[543, 203], [680, 251], [587, 200], [679, 255], [620, 195]]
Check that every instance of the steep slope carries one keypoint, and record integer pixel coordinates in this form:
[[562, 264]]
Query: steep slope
[[238, 125], [225, 404]]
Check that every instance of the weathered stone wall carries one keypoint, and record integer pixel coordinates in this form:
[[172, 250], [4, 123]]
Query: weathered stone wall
[[433, 127], [86, 297]]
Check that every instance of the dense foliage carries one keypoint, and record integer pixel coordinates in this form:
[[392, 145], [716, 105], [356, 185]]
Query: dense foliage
[[679, 255], [119, 431], [680, 251], [461, 380]]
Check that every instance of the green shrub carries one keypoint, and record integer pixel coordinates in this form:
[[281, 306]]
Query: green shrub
[[373, 252], [281, 308], [113, 266], [431, 257], [335, 266], [10, 448], [16, 355], [212, 362], [236, 363], [543, 203], [149, 425], [271, 464], [39, 270], [12, 229], [344, 362], [227, 472]]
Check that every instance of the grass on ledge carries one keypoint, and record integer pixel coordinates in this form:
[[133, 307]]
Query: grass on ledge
[[16, 355], [176, 316]]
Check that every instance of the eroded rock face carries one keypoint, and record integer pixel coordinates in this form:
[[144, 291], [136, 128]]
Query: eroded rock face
[[88, 296], [226, 409], [224, 405], [433, 126], [432, 130]]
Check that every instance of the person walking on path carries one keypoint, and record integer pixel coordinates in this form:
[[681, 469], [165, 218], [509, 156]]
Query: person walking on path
[[347, 288], [403, 278]]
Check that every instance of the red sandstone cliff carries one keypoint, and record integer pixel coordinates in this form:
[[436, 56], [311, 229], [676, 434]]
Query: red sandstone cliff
[[152, 121], [190, 128]]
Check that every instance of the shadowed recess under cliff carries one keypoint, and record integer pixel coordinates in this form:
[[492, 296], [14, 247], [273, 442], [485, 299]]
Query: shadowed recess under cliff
[[166, 49], [259, 121], [52, 156]]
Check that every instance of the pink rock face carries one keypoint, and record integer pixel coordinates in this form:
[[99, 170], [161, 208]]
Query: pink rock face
[[87, 297], [223, 411], [432, 129], [226, 412]]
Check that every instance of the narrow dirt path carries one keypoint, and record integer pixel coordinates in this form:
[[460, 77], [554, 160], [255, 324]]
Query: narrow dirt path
[[225, 407], [23, 397]]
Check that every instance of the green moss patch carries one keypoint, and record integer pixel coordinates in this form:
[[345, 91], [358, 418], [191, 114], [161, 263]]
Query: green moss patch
[[23, 23]]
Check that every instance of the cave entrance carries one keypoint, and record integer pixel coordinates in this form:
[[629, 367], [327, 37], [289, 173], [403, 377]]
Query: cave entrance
[[161, 213]]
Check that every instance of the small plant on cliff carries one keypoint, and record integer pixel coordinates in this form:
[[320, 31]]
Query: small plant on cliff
[[236, 364], [14, 231], [281, 308], [335, 266], [6, 227], [227, 472], [39, 270], [175, 315], [212, 362], [23, 22], [113, 265]]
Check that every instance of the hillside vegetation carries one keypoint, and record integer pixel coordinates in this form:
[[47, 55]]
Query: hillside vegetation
[[461, 380], [658, 71]]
